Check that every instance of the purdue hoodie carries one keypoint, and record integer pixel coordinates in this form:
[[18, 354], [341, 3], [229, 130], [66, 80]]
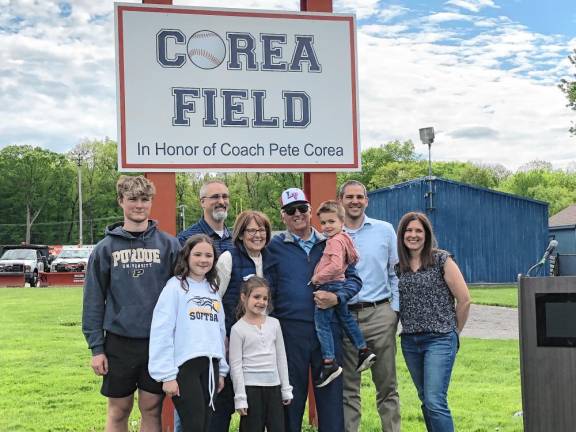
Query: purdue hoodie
[[124, 277]]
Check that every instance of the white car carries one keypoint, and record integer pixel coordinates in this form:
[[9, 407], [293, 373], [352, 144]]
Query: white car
[[71, 260], [27, 259]]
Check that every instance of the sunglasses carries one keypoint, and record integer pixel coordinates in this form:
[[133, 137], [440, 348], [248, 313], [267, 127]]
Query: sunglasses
[[302, 208]]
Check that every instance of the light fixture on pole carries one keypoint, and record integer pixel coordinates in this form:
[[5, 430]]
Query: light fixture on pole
[[79, 163], [427, 138], [79, 155], [181, 207]]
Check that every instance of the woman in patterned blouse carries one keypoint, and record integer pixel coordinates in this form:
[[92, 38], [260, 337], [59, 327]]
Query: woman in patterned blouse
[[429, 282]]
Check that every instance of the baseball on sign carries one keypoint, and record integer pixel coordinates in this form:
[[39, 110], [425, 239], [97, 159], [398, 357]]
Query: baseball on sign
[[206, 49]]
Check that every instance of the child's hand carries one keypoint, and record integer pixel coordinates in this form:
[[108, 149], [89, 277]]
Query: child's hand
[[171, 388], [242, 411], [286, 401], [220, 384]]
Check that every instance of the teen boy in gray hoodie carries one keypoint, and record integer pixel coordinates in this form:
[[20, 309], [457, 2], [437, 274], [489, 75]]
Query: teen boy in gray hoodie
[[125, 275]]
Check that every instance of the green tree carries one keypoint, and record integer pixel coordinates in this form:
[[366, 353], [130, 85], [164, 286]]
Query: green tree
[[34, 181], [375, 158], [569, 89], [98, 162]]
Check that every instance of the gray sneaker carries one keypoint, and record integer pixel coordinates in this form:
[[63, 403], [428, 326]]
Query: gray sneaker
[[329, 373], [365, 360]]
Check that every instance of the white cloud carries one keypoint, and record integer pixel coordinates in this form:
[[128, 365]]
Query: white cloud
[[491, 98], [391, 12], [448, 16], [472, 5], [362, 8], [488, 86]]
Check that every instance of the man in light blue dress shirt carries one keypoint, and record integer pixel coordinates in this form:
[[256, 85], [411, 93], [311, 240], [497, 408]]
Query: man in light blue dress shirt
[[375, 307]]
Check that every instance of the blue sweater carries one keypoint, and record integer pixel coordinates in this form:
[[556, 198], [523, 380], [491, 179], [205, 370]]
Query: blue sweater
[[293, 269], [242, 266], [124, 277], [202, 227]]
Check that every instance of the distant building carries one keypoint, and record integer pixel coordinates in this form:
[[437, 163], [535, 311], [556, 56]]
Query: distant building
[[562, 227], [494, 236]]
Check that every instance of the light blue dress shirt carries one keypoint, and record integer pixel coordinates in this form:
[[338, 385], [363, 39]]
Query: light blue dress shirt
[[375, 241], [306, 244]]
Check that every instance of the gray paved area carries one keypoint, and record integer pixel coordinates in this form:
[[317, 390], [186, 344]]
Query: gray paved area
[[492, 322]]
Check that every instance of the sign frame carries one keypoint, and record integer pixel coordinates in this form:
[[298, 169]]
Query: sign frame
[[123, 158]]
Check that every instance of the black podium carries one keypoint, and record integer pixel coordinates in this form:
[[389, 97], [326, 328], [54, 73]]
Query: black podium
[[547, 315]]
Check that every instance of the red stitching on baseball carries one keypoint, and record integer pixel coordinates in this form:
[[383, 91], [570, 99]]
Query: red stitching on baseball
[[204, 53]]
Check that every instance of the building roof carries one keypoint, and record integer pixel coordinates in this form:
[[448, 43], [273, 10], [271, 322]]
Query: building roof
[[564, 217], [457, 183]]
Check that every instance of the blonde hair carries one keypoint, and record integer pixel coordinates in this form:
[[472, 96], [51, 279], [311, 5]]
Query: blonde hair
[[134, 186]]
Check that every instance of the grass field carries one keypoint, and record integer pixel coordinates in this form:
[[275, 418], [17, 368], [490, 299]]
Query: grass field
[[495, 295], [47, 385]]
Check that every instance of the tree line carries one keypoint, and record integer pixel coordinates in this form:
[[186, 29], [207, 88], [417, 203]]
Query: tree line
[[39, 187]]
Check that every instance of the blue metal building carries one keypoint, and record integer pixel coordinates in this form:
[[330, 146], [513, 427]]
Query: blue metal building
[[493, 235]]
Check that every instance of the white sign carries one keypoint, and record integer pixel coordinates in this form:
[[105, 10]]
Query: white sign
[[235, 90]]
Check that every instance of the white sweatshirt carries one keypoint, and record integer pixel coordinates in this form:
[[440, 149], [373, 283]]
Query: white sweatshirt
[[258, 358], [186, 325]]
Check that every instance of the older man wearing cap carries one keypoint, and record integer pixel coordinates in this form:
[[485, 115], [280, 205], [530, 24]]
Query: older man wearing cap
[[297, 251]]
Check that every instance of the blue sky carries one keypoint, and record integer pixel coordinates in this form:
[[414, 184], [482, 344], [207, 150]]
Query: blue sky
[[484, 73]]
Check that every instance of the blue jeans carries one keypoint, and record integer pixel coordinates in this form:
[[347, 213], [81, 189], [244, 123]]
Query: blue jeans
[[323, 321], [430, 358]]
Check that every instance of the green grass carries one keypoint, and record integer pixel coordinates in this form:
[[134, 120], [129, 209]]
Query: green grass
[[46, 383], [495, 295]]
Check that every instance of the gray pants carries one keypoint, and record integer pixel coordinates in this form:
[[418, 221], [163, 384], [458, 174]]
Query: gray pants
[[378, 324]]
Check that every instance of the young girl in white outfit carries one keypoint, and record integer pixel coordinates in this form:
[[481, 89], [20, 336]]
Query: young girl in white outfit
[[258, 365], [187, 351]]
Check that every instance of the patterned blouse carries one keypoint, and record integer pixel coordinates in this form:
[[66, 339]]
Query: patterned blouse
[[426, 302]]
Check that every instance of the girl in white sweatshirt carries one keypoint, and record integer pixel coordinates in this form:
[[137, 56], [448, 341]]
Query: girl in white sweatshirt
[[259, 369], [187, 351]]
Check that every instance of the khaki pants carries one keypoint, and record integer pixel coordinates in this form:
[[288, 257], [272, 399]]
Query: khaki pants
[[378, 324]]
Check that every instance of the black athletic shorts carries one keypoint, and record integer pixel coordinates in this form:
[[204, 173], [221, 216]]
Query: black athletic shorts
[[127, 367]]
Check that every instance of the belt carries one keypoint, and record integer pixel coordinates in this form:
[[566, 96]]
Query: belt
[[364, 305]]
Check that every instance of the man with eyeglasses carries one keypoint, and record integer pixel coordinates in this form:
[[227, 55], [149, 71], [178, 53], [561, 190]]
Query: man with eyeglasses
[[214, 199], [375, 308], [296, 252]]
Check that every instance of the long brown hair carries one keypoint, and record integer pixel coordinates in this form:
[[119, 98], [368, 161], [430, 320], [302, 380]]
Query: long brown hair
[[246, 288], [427, 254], [182, 269], [244, 219]]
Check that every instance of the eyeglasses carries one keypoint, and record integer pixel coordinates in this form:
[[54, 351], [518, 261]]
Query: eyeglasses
[[216, 197], [253, 231], [302, 208]]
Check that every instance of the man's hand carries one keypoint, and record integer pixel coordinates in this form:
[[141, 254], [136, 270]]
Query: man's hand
[[325, 299], [242, 411], [100, 364], [171, 388]]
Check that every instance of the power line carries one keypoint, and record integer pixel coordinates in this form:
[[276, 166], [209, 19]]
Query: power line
[[63, 222]]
